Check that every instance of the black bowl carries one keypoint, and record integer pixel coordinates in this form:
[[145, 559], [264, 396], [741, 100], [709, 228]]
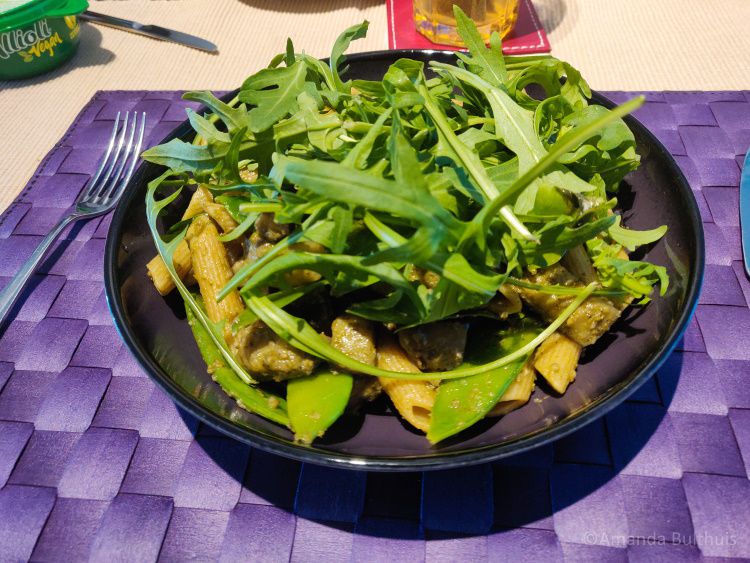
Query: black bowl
[[155, 331]]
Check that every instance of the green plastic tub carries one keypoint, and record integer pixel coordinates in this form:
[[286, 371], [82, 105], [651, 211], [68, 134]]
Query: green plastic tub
[[37, 35]]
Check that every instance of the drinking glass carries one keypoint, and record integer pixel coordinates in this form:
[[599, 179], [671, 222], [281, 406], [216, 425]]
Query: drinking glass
[[434, 18]]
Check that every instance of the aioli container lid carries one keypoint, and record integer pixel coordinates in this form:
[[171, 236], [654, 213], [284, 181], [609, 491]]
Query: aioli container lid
[[18, 13]]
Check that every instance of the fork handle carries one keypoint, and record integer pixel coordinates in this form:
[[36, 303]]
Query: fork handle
[[13, 290]]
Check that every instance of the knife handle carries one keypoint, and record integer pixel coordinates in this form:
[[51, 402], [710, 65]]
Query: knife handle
[[96, 17]]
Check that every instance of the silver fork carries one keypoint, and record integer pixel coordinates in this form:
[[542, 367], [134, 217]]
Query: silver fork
[[100, 195]]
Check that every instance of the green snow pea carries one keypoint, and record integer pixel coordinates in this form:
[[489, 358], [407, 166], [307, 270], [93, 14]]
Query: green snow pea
[[462, 402], [552, 201], [316, 402]]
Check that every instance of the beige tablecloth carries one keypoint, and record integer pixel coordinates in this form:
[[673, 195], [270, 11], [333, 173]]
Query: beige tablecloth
[[617, 44]]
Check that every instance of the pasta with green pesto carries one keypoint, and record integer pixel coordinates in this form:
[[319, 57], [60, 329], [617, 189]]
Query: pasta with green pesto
[[443, 240]]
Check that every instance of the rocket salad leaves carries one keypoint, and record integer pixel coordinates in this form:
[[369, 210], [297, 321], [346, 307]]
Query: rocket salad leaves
[[478, 173]]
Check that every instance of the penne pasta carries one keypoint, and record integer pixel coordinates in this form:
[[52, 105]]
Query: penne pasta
[[556, 360], [414, 400], [212, 270], [518, 392], [160, 276], [197, 205], [248, 175], [425, 277], [506, 302], [304, 277], [219, 213], [156, 269], [268, 230]]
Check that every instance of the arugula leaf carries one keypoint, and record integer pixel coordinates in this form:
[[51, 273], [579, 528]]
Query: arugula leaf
[[274, 92], [609, 153], [469, 160], [446, 299], [339, 47], [631, 239], [557, 78], [324, 74], [359, 153], [281, 298], [187, 157], [233, 118], [454, 267], [614, 271], [488, 63], [571, 139], [330, 266], [514, 125], [180, 156], [342, 218], [407, 172], [206, 129], [358, 188], [231, 169], [392, 308], [289, 56], [558, 236]]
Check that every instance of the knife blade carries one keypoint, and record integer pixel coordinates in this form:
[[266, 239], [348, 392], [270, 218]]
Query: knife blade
[[745, 212], [153, 31]]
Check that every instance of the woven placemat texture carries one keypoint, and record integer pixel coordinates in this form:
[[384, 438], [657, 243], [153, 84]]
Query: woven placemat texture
[[97, 463]]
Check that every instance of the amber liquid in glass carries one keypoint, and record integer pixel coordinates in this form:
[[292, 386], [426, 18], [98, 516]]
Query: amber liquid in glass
[[434, 18]]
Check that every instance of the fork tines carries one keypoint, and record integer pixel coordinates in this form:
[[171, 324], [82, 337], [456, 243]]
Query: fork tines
[[118, 163]]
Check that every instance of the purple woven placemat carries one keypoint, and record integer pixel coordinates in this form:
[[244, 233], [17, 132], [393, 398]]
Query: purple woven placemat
[[96, 463]]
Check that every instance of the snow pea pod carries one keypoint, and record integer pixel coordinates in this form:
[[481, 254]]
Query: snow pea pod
[[550, 201], [462, 402], [316, 402], [248, 397]]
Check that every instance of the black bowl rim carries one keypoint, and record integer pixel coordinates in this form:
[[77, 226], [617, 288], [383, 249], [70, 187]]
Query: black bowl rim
[[439, 460]]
